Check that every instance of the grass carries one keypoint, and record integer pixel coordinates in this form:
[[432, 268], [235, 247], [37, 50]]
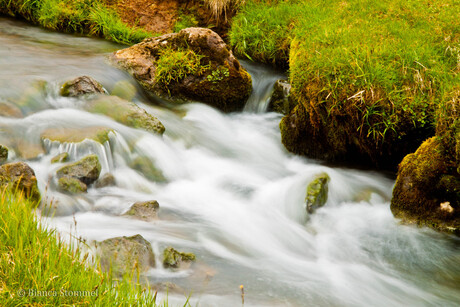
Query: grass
[[220, 7], [90, 17], [34, 258], [381, 68]]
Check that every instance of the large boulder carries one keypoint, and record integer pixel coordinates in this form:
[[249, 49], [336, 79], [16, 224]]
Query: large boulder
[[317, 191], [194, 64], [144, 210], [125, 112], [75, 177], [81, 86], [21, 177], [175, 259], [125, 254]]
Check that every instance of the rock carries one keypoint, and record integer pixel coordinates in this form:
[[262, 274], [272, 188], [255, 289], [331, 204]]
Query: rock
[[81, 86], [125, 254], [21, 177], [124, 89], [86, 170], [125, 112], [194, 64], [72, 185], [8, 109], [3, 154], [146, 210], [280, 101], [317, 192], [105, 181], [174, 259], [60, 158], [148, 169], [28, 149], [427, 189], [77, 135], [34, 97]]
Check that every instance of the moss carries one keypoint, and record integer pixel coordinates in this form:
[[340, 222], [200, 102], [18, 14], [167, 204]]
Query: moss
[[148, 169], [173, 259], [3, 154], [317, 192], [71, 185], [86, 170]]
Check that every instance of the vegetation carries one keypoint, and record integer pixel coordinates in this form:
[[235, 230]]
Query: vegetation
[[34, 258], [185, 21], [371, 71], [81, 16], [220, 7]]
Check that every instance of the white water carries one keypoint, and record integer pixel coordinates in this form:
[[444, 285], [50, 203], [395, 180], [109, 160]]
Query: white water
[[234, 196]]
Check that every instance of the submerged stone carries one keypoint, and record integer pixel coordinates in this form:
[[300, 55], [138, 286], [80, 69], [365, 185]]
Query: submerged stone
[[145, 210], [175, 259], [77, 135], [8, 109], [86, 170], [21, 177], [148, 169], [317, 192], [81, 86], [124, 89], [125, 112], [60, 158], [105, 181], [126, 254]]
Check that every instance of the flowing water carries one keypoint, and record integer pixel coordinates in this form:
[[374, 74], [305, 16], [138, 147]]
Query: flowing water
[[233, 196]]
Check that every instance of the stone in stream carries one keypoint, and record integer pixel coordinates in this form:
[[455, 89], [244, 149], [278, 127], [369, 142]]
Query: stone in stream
[[77, 135], [317, 192], [60, 158], [145, 210], [105, 181], [33, 98], [21, 177], [281, 100], [125, 254], [148, 169], [8, 109], [3, 154], [125, 112], [81, 86], [211, 74], [124, 89], [175, 259], [86, 170]]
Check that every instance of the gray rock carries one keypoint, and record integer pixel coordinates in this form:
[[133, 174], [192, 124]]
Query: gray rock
[[280, 101], [175, 259], [125, 254], [146, 210], [72, 185], [86, 170], [105, 181]]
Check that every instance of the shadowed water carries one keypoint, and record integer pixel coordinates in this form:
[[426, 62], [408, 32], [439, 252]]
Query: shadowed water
[[234, 196]]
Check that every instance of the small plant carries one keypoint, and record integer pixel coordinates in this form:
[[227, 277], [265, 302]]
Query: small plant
[[185, 21], [218, 75]]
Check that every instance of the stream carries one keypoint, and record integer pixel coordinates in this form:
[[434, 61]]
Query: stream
[[233, 195]]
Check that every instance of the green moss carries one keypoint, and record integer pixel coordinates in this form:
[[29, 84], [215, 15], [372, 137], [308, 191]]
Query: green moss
[[185, 21], [60, 158], [148, 169], [86, 170], [317, 192]]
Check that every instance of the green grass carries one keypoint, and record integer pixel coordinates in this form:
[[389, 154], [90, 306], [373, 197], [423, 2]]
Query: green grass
[[34, 258], [90, 17], [381, 67]]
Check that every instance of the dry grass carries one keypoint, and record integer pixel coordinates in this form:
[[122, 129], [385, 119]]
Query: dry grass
[[220, 7]]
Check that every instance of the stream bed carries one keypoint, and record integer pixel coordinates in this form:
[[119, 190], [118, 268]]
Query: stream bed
[[233, 195]]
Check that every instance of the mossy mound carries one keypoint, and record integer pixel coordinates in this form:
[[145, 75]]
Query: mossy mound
[[77, 135], [194, 64]]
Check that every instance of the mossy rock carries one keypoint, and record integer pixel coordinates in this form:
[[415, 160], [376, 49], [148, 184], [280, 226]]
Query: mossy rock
[[126, 254], [86, 170], [175, 259], [427, 182], [105, 181], [317, 192], [147, 168], [60, 158], [281, 101], [81, 86], [124, 89], [3, 154], [77, 135], [21, 177], [214, 77], [125, 112], [145, 210], [72, 185]]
